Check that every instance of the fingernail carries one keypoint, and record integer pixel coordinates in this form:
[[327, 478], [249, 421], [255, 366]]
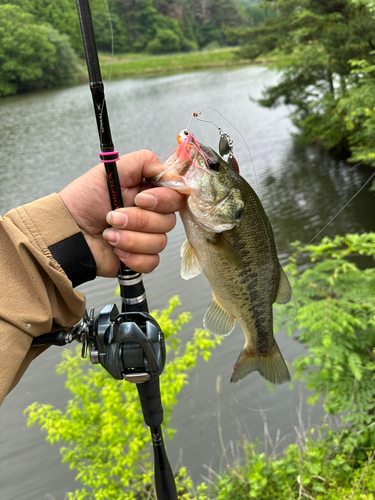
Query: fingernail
[[111, 235], [143, 200], [116, 218]]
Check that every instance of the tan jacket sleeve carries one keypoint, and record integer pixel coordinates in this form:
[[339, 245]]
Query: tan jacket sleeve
[[43, 255]]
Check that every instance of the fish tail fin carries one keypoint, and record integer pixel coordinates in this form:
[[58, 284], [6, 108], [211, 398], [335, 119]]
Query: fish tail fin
[[270, 365]]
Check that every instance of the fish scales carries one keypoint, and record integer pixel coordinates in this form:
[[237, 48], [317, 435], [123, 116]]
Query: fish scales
[[230, 240], [259, 272]]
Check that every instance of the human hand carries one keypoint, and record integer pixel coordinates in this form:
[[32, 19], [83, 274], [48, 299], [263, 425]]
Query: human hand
[[137, 234]]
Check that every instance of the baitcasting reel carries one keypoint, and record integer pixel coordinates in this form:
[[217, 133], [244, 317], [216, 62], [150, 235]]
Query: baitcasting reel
[[128, 345]]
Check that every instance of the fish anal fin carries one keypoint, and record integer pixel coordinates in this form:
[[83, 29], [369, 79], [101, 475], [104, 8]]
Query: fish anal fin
[[217, 320], [284, 293], [227, 251], [190, 265], [270, 365]]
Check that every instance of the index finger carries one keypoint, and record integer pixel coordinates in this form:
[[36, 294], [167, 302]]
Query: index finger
[[160, 199], [136, 166]]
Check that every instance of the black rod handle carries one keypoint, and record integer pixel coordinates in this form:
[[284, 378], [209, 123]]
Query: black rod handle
[[164, 480], [149, 395]]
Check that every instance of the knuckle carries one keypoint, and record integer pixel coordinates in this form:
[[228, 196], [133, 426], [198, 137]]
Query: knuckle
[[143, 220]]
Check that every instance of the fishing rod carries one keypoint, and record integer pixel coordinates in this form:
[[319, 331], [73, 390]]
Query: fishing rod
[[129, 345], [132, 291]]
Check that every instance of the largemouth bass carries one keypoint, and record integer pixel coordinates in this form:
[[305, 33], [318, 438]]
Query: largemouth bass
[[230, 240]]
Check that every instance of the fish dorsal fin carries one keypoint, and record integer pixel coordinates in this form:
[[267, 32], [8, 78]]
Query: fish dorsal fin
[[217, 320], [190, 265], [284, 293], [227, 251]]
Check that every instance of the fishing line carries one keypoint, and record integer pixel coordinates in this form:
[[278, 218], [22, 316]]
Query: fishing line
[[112, 41], [338, 213], [188, 125], [260, 410]]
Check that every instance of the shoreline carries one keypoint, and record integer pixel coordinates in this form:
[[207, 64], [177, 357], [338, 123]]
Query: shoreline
[[136, 65]]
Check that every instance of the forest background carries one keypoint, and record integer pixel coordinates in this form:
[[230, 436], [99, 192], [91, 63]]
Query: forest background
[[40, 40], [324, 52], [323, 49]]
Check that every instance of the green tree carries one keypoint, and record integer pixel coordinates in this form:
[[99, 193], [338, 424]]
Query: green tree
[[109, 27], [60, 14], [357, 111], [64, 67], [313, 42], [25, 50], [32, 55], [210, 19]]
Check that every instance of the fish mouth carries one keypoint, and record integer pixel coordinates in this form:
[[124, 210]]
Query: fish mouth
[[173, 177], [169, 179], [181, 168]]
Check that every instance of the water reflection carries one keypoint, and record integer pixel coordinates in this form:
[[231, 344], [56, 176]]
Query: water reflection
[[307, 193]]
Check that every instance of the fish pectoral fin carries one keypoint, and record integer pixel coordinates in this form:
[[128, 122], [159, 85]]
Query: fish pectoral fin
[[270, 365], [227, 251], [190, 265], [217, 320], [284, 293]]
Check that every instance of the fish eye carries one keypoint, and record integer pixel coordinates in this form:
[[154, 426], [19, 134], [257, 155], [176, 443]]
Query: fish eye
[[213, 164], [185, 132]]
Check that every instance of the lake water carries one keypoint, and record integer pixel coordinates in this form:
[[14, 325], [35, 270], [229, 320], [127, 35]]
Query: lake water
[[50, 138]]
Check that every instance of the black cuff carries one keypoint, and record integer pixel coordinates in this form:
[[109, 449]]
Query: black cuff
[[75, 257]]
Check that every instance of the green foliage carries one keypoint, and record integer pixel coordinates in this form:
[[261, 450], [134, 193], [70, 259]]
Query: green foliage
[[31, 55], [60, 14], [356, 109], [30, 59], [64, 67], [102, 427], [110, 30], [136, 64], [165, 26], [315, 470], [324, 51], [334, 309], [256, 12], [168, 37], [23, 49]]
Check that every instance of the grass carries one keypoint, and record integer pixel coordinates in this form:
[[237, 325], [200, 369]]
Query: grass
[[125, 65]]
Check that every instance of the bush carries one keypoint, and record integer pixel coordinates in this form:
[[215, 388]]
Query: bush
[[317, 470], [165, 41], [102, 427], [336, 316]]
